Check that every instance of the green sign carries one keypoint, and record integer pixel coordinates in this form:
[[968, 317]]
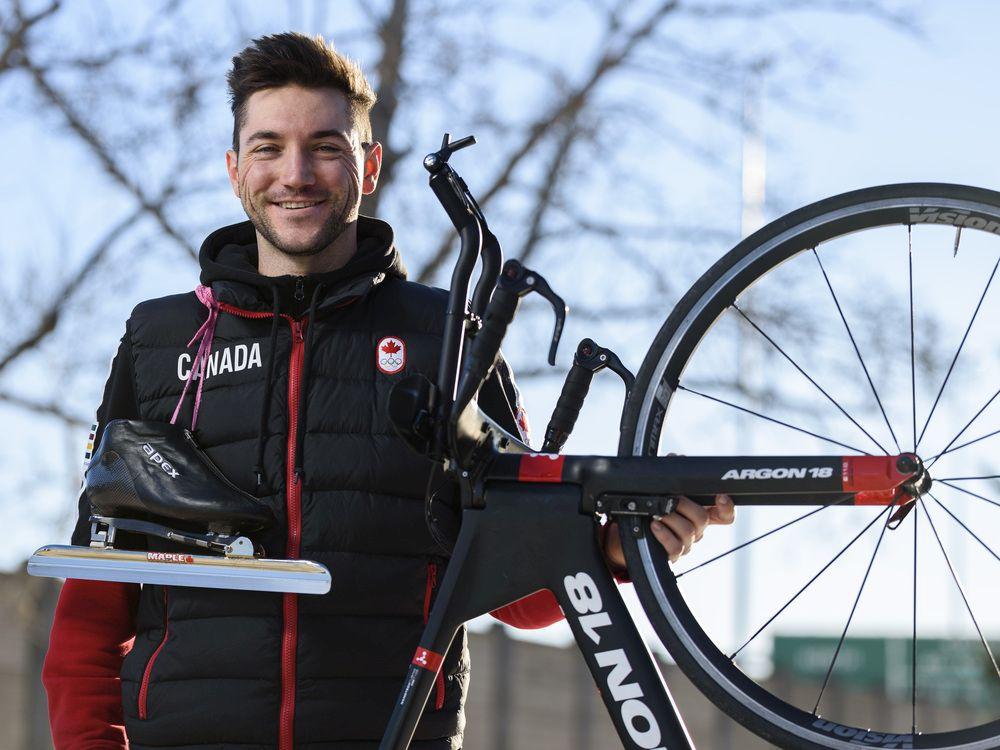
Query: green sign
[[949, 672]]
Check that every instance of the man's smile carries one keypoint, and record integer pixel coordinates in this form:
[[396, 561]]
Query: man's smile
[[299, 208], [300, 204]]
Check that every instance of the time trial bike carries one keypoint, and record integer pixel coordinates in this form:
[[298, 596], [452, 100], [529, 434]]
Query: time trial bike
[[897, 518]]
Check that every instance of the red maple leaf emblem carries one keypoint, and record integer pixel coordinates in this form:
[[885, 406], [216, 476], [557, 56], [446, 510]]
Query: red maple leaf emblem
[[390, 347]]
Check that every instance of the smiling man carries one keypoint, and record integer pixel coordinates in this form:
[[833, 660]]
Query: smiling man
[[300, 187], [321, 292]]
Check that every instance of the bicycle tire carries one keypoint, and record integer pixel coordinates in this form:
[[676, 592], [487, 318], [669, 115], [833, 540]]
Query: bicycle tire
[[657, 384]]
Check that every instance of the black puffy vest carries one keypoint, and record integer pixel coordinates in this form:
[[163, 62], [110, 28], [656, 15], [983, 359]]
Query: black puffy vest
[[235, 670]]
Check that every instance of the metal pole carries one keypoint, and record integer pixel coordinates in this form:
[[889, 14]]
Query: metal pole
[[753, 184]]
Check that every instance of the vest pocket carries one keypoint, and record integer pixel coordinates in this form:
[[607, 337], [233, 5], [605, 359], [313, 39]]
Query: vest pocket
[[144, 685], [428, 597]]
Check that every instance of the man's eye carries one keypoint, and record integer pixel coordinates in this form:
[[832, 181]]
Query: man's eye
[[265, 150], [328, 148]]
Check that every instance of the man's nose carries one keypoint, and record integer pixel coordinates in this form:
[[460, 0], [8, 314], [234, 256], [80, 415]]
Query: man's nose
[[297, 170]]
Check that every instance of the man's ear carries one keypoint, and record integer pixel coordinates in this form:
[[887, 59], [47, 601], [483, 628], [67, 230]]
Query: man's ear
[[373, 165], [232, 167]]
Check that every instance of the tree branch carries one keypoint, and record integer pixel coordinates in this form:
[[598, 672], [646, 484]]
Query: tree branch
[[621, 312], [564, 110], [546, 192], [48, 318], [15, 38], [154, 208], [47, 408], [391, 32], [873, 8]]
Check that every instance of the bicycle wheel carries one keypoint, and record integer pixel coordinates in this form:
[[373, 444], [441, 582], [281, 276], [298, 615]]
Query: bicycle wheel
[[864, 323]]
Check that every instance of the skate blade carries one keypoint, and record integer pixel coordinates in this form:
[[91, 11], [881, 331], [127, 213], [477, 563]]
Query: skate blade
[[180, 569]]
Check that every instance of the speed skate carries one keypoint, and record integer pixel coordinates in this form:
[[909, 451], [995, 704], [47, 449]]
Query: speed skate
[[150, 481]]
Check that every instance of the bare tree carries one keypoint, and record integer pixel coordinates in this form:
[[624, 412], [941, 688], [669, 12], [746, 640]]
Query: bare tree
[[579, 108]]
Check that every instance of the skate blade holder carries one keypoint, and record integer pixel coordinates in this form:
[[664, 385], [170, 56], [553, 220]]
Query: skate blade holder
[[180, 569], [104, 529]]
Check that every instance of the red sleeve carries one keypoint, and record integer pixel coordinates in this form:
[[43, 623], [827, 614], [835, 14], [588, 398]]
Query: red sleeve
[[538, 610], [93, 629]]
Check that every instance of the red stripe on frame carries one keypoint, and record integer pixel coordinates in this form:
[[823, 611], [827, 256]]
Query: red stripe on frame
[[540, 467], [427, 659]]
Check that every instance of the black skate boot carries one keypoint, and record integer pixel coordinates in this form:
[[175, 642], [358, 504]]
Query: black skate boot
[[151, 479]]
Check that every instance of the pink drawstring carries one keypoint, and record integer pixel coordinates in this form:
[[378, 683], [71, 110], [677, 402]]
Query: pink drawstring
[[200, 364]]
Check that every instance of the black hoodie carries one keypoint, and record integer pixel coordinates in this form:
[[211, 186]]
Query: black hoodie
[[228, 260]]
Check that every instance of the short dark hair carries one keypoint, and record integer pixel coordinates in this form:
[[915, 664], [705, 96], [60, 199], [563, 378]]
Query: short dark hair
[[292, 58]]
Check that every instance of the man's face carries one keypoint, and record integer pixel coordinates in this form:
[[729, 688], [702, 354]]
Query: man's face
[[301, 170]]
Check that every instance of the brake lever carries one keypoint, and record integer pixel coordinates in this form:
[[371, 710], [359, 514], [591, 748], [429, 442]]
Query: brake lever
[[595, 358], [515, 282], [588, 360], [522, 281]]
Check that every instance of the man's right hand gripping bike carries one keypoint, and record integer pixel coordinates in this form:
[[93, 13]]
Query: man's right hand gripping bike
[[838, 296]]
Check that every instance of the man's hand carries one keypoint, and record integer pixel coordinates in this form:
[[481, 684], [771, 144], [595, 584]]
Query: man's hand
[[677, 531]]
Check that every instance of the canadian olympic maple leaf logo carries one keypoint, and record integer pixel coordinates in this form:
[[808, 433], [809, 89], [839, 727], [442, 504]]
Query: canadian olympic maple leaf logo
[[390, 354]]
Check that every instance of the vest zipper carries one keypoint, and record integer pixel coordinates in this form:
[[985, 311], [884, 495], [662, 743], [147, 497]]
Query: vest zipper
[[144, 685], [428, 595], [293, 497]]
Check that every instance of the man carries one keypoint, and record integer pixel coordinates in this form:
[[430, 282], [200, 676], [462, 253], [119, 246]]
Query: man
[[287, 393]]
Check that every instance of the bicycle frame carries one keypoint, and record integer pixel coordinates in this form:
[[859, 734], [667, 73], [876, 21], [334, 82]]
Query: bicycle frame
[[562, 554], [529, 520]]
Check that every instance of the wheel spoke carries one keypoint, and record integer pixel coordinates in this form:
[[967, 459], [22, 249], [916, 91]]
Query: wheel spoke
[[765, 534], [810, 582], [967, 492], [770, 419], [969, 423], [951, 367], [806, 375], [960, 479], [971, 533], [850, 617], [856, 349], [933, 459], [961, 590]]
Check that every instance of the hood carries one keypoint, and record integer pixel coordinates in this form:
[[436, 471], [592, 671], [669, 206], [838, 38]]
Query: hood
[[228, 260]]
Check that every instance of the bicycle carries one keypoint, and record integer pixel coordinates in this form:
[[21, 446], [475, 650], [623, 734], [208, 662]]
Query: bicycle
[[550, 503]]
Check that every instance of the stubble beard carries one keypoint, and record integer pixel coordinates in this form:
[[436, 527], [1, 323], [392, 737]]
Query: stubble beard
[[332, 228]]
